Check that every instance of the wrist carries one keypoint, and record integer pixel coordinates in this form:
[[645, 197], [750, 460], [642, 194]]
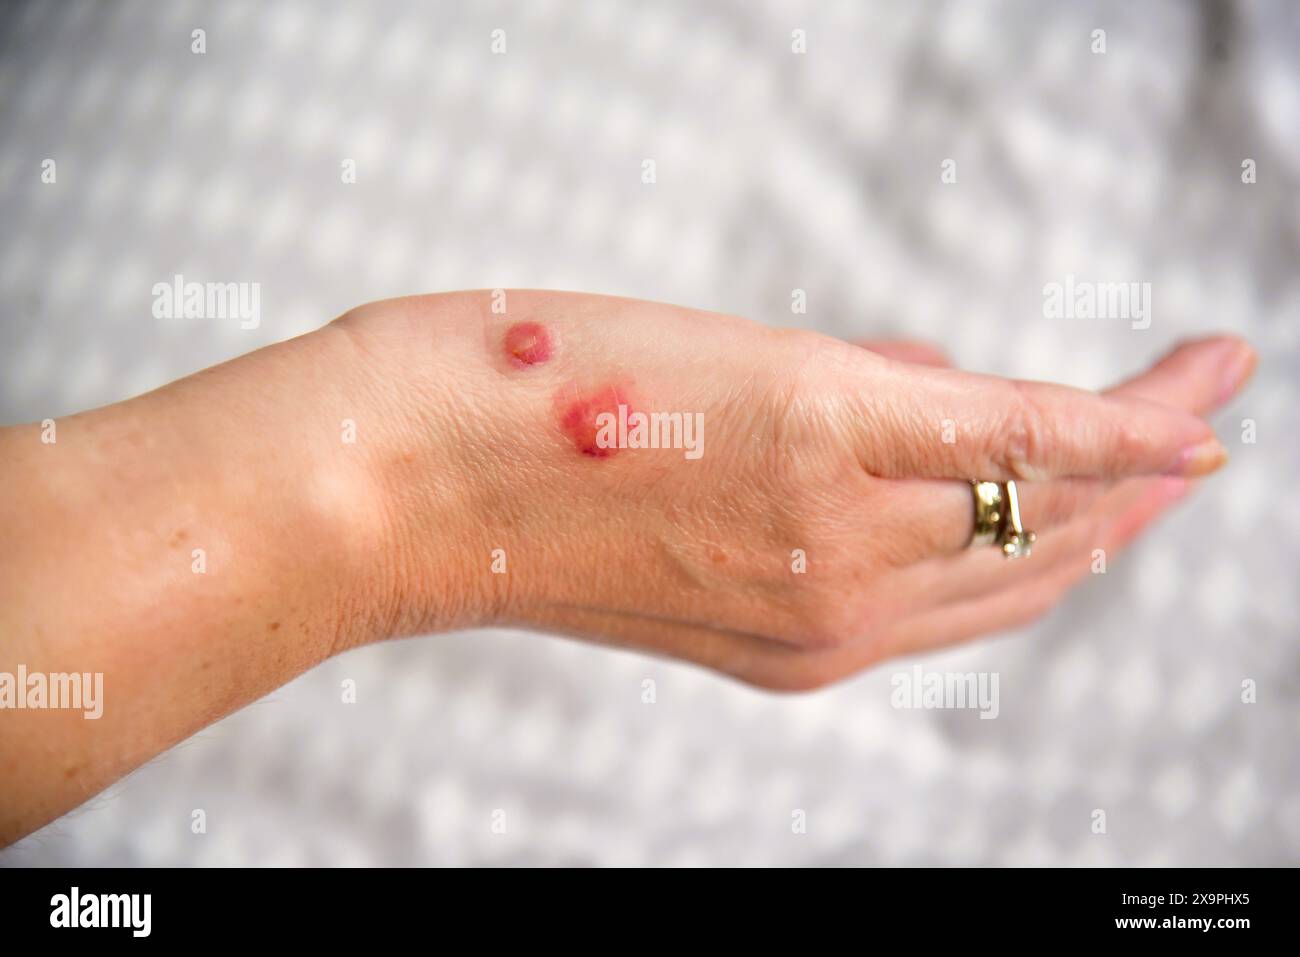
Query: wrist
[[419, 550]]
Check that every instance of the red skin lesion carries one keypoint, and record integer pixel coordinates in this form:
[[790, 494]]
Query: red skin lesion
[[577, 416], [527, 344]]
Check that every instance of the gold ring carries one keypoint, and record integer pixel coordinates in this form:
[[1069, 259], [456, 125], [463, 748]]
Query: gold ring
[[997, 519]]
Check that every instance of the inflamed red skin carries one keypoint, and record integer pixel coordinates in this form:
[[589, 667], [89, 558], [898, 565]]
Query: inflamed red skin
[[577, 412], [527, 344]]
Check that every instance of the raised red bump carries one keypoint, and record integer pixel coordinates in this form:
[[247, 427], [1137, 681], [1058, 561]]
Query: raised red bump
[[527, 344], [578, 413]]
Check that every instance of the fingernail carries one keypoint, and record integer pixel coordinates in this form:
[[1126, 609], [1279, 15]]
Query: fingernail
[[1236, 371], [1200, 459]]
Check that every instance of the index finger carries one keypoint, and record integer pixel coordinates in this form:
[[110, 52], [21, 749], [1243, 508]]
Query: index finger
[[922, 422]]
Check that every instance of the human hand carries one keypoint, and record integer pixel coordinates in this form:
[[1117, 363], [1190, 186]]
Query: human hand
[[819, 526]]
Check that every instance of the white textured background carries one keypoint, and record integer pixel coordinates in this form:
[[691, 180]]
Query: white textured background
[[775, 172]]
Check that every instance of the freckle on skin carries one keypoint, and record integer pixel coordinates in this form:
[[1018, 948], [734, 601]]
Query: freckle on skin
[[578, 412], [527, 344], [275, 625]]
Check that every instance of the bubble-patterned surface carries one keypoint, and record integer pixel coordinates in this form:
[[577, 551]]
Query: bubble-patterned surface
[[775, 171]]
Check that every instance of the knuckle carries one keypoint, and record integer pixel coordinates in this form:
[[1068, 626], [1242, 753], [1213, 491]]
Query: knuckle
[[790, 407], [808, 421], [1128, 443], [1021, 435]]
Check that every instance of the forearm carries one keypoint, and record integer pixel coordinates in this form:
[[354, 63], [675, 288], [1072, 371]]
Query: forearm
[[197, 546]]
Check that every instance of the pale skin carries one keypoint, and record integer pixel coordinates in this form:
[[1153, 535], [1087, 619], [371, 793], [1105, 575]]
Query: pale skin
[[470, 444]]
